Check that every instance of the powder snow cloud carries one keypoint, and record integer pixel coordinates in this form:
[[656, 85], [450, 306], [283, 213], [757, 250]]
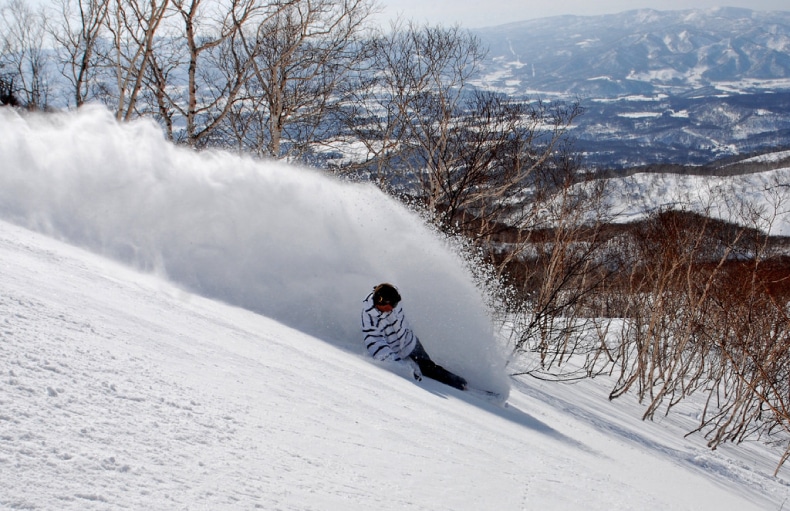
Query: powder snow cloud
[[287, 242]]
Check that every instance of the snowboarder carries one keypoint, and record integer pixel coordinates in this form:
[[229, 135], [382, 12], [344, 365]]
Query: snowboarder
[[389, 337]]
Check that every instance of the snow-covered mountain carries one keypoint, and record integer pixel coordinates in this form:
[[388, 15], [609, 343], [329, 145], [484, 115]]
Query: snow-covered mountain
[[641, 52], [125, 385], [658, 86]]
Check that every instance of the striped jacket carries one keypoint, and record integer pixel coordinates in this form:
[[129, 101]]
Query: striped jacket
[[387, 335]]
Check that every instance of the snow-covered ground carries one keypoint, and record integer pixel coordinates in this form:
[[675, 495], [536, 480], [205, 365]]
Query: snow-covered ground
[[149, 368], [122, 391]]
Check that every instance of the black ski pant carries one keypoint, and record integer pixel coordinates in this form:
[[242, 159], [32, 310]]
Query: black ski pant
[[434, 371]]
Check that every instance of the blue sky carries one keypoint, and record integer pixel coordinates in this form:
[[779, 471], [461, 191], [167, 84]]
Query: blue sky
[[481, 13]]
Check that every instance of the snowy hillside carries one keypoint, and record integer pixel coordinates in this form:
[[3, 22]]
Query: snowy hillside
[[631, 197], [121, 391], [125, 385]]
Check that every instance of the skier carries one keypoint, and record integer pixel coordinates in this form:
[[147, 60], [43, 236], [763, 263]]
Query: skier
[[389, 337]]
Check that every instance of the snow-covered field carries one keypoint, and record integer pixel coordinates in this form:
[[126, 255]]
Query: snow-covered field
[[151, 367]]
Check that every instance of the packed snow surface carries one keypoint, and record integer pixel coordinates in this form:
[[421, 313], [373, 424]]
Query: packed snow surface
[[125, 384]]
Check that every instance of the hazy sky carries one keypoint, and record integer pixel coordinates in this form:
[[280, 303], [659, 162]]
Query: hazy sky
[[481, 13]]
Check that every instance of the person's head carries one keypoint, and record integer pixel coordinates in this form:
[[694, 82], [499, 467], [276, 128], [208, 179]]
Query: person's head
[[385, 297]]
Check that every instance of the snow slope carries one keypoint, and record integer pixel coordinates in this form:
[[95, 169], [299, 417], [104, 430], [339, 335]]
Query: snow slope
[[122, 391], [130, 389]]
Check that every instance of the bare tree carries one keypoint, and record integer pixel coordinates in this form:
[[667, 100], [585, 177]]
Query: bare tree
[[557, 256], [22, 38], [300, 57], [181, 61], [211, 32], [77, 29], [162, 79], [133, 25], [469, 153], [409, 104]]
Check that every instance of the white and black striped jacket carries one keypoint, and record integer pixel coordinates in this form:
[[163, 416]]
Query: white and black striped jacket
[[387, 335]]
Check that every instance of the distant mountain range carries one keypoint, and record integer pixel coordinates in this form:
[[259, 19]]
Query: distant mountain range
[[658, 87]]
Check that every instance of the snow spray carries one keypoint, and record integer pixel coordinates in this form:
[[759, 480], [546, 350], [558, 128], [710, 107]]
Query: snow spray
[[284, 241]]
